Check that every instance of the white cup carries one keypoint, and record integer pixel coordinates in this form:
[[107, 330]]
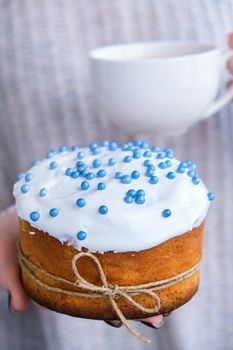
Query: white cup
[[158, 87]]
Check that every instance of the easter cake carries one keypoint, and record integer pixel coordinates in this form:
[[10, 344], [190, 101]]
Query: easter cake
[[111, 232]]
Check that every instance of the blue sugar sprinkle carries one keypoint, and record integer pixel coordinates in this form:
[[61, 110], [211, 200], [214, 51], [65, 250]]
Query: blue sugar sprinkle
[[147, 162], [93, 146], [84, 173], [144, 145], [132, 193], [140, 200], [119, 175], [53, 212], [135, 174], [28, 177], [124, 146], [103, 209], [104, 143], [90, 176], [180, 169], [161, 155], [20, 176], [96, 163], [81, 235], [63, 148], [195, 180], [167, 149], [53, 165], [151, 167], [126, 179], [74, 148], [149, 172], [184, 164], [85, 185], [80, 163], [80, 155], [136, 154], [111, 161], [166, 213], [43, 192], [75, 174], [128, 199], [169, 153], [162, 165], [112, 146], [154, 180], [137, 143], [147, 154], [96, 150], [51, 153], [69, 171], [34, 162], [191, 173], [188, 163], [130, 144], [81, 202], [127, 159], [171, 175], [25, 188], [168, 163], [34, 216], [193, 166], [155, 149], [140, 192], [101, 173], [101, 186], [130, 148], [210, 196], [82, 169]]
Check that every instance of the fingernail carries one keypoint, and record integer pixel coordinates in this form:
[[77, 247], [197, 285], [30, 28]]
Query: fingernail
[[115, 324], [166, 314], [155, 325], [10, 308]]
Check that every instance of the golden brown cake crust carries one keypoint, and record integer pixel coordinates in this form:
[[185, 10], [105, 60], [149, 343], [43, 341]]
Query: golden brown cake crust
[[129, 268]]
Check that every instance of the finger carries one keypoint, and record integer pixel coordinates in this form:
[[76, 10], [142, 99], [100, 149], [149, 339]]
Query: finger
[[230, 61], [230, 65], [19, 299], [229, 83], [230, 40], [114, 323], [153, 322]]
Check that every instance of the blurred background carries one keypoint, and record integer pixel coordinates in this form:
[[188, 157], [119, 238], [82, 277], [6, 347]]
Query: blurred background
[[46, 99]]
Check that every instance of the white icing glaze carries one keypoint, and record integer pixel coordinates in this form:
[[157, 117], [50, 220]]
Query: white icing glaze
[[126, 227]]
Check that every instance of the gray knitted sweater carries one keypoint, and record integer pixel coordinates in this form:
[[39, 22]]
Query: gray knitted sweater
[[46, 100]]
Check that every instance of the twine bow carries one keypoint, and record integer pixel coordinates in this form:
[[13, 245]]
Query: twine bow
[[113, 292]]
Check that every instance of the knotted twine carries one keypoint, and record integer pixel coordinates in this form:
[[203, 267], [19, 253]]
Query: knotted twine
[[111, 291]]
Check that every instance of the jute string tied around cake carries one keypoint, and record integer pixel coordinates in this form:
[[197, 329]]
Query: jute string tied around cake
[[113, 292]]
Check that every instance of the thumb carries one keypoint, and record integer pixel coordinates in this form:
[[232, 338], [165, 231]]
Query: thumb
[[19, 300]]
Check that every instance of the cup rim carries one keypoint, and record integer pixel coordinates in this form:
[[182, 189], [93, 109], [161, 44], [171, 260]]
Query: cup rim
[[101, 53]]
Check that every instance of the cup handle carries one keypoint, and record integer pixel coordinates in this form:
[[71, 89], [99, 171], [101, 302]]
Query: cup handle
[[226, 97]]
